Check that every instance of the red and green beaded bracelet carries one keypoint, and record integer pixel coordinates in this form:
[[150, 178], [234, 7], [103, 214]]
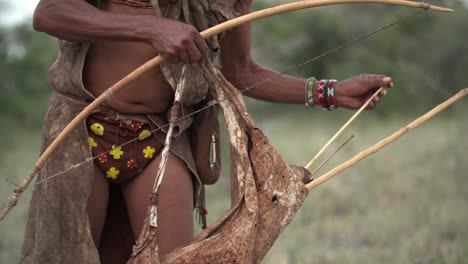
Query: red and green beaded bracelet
[[309, 98]]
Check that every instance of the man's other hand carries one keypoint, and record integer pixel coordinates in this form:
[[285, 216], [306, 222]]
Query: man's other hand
[[352, 93]]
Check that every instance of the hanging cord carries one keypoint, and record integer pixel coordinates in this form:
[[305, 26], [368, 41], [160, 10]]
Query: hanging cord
[[153, 217]]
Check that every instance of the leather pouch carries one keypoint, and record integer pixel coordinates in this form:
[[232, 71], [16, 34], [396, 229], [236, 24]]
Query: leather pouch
[[204, 140]]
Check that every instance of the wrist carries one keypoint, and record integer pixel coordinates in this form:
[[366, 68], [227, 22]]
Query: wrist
[[145, 32]]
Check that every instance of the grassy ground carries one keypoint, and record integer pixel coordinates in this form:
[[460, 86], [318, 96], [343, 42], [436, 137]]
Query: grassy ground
[[406, 204]]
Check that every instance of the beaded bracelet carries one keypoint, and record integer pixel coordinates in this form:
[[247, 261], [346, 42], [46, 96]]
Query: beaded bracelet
[[331, 95], [322, 93], [309, 98]]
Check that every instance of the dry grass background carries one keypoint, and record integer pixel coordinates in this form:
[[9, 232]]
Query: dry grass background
[[406, 204]]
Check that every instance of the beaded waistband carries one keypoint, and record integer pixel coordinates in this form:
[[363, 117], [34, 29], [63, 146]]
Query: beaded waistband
[[141, 3]]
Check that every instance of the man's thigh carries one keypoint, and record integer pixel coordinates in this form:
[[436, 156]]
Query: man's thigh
[[175, 207], [97, 204]]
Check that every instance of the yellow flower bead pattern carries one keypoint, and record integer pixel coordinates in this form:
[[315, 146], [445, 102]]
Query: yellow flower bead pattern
[[112, 173], [92, 143], [144, 134], [97, 129], [148, 152], [116, 152]]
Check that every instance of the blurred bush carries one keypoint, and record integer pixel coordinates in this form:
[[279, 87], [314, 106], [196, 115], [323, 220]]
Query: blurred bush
[[423, 54], [25, 57]]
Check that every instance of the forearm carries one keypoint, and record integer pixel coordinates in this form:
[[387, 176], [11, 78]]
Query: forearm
[[239, 68], [77, 20], [266, 84]]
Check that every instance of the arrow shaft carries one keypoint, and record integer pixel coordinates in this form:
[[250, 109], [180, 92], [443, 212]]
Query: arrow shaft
[[384, 142]]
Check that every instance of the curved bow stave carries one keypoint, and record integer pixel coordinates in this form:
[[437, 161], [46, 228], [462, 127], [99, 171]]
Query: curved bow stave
[[285, 8]]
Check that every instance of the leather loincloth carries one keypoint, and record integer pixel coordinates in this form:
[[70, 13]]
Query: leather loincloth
[[122, 147]]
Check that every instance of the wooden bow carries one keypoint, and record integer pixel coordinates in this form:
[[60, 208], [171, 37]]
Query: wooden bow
[[107, 95]]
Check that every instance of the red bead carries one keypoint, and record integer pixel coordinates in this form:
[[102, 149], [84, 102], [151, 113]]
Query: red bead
[[102, 158], [131, 164], [321, 101]]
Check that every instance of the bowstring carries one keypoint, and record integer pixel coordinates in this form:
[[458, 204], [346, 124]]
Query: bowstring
[[216, 102]]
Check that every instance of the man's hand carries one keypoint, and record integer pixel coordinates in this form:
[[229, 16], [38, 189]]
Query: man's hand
[[178, 42], [352, 93], [77, 20]]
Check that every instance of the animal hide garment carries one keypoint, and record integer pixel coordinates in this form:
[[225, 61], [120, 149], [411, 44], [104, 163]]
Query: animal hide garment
[[267, 191]]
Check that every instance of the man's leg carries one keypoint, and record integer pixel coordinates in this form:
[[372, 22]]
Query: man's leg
[[97, 205], [175, 207]]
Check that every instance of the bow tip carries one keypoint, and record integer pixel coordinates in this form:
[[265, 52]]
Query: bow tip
[[441, 9]]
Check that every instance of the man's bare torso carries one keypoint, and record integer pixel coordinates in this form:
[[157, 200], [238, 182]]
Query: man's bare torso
[[108, 62]]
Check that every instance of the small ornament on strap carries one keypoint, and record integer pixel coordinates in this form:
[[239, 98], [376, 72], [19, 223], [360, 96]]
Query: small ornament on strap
[[154, 200], [213, 154], [321, 93], [202, 211], [309, 98], [331, 95]]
